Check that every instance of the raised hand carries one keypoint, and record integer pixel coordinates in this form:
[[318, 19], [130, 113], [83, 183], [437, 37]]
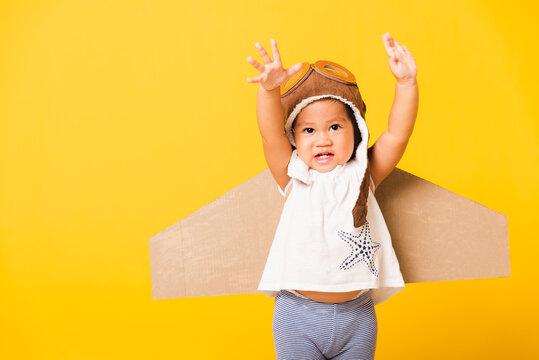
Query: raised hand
[[272, 73], [401, 61]]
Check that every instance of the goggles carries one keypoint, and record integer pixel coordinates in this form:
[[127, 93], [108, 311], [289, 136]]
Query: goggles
[[326, 68]]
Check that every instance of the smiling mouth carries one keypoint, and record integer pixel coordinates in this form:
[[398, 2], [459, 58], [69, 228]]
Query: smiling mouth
[[323, 156]]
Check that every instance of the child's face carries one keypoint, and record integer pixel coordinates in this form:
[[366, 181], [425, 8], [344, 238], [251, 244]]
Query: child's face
[[323, 127]]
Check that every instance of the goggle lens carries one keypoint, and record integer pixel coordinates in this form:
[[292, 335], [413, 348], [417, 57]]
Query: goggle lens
[[335, 71], [296, 78]]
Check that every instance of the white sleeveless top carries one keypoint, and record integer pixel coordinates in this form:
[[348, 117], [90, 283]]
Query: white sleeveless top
[[316, 246]]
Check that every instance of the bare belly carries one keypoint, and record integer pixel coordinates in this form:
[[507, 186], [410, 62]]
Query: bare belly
[[329, 297]]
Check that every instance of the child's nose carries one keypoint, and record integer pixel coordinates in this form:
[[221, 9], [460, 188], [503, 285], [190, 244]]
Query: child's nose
[[323, 138]]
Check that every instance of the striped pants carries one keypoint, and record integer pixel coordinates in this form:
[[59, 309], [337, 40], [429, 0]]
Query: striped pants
[[304, 329]]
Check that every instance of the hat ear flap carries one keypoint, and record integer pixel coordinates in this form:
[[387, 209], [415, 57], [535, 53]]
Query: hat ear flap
[[359, 212]]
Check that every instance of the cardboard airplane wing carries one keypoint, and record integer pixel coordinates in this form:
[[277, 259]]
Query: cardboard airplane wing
[[221, 249]]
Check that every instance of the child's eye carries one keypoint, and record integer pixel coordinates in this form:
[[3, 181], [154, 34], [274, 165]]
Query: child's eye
[[308, 130], [335, 127]]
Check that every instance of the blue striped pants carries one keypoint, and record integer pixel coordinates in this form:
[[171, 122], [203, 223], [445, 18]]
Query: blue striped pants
[[304, 329]]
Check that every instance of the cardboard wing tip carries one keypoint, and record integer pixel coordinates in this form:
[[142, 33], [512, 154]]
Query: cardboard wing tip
[[219, 249], [440, 235]]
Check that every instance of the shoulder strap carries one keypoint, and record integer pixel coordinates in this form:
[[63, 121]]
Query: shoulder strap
[[283, 193]]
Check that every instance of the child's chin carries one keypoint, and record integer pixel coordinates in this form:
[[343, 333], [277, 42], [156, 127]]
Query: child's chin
[[323, 168]]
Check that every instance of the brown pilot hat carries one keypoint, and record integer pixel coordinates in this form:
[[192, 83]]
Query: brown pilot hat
[[326, 79]]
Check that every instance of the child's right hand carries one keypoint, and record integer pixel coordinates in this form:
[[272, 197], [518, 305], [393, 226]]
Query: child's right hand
[[272, 73]]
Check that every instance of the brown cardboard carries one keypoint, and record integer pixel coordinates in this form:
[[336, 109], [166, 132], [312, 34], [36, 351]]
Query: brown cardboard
[[221, 249]]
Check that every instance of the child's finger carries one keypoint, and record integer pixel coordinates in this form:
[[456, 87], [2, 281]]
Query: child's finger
[[390, 50], [294, 69], [406, 51], [255, 79], [398, 46], [275, 50], [388, 45], [393, 58], [256, 64], [386, 36], [263, 53]]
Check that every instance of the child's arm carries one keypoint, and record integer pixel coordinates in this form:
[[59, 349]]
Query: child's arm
[[387, 151], [277, 148]]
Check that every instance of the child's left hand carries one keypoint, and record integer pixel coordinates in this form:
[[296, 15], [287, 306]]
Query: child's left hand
[[401, 61]]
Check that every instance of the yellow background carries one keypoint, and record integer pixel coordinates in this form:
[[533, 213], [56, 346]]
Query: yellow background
[[118, 118]]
